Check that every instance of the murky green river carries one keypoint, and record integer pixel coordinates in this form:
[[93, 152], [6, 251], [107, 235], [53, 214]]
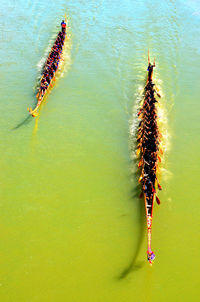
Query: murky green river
[[71, 227]]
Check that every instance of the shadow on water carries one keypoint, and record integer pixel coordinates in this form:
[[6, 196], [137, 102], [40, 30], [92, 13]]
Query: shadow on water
[[140, 208], [26, 121], [134, 264]]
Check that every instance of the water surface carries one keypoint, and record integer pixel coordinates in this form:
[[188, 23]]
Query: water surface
[[71, 226]]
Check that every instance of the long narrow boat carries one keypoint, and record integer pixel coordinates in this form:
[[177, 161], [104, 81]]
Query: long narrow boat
[[50, 68], [148, 149]]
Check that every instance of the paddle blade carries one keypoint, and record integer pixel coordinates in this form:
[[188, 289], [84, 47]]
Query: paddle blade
[[138, 151], [140, 179], [157, 200], [140, 163]]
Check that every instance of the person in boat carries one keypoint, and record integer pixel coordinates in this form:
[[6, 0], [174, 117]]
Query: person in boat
[[61, 39], [153, 90], [42, 82], [54, 55], [57, 44], [51, 73], [54, 67], [44, 85], [49, 60], [54, 48], [55, 59], [42, 89], [51, 56], [45, 74], [63, 25], [58, 39], [61, 36], [48, 80]]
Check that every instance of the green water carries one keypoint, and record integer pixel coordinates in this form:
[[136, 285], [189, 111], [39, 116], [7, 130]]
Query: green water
[[71, 227]]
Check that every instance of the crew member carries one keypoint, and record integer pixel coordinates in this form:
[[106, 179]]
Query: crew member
[[150, 70], [63, 25]]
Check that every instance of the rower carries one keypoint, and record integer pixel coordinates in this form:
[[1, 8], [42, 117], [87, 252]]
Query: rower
[[51, 72], [48, 80], [61, 35], [54, 67]]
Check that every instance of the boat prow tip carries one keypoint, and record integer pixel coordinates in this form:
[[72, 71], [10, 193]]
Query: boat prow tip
[[34, 114], [31, 112], [151, 257]]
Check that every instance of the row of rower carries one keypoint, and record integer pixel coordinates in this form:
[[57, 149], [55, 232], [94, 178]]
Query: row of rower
[[148, 142], [52, 62]]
